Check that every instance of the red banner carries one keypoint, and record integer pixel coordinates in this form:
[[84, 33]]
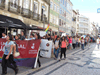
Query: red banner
[[27, 49], [2, 44]]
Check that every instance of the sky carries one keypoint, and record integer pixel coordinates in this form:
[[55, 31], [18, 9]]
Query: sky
[[88, 8]]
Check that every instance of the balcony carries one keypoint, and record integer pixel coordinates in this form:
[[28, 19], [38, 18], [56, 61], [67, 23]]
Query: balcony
[[2, 4], [13, 8], [47, 1], [26, 13], [42, 17], [35, 16], [74, 19]]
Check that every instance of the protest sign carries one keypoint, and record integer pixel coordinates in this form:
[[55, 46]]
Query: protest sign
[[63, 34], [45, 48], [42, 33]]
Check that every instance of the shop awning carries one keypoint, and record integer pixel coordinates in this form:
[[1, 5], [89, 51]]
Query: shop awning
[[10, 22]]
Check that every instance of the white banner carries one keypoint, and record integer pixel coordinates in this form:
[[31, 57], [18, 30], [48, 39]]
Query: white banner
[[42, 33], [45, 48], [63, 34]]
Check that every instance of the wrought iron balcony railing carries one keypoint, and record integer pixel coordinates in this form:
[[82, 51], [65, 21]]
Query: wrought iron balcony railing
[[13, 8], [2, 5]]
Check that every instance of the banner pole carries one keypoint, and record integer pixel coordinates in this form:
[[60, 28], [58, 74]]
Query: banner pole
[[36, 59]]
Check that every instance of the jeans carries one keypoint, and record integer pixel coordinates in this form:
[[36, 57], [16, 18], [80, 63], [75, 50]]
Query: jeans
[[98, 46], [56, 52], [76, 44], [82, 46]]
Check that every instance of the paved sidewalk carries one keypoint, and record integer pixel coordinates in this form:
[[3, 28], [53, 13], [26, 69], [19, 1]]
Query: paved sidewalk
[[46, 63]]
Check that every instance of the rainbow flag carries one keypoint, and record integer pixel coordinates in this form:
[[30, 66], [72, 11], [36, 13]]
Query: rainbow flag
[[47, 28]]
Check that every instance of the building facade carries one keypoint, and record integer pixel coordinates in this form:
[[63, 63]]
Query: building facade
[[54, 14], [83, 25], [95, 31], [31, 12], [74, 23], [65, 17]]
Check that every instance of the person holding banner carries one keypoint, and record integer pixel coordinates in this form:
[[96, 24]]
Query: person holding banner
[[37, 36], [64, 45], [4, 35], [8, 56], [32, 37], [56, 47]]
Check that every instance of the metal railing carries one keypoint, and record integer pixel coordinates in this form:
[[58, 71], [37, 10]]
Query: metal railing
[[13, 8], [26, 13], [2, 5]]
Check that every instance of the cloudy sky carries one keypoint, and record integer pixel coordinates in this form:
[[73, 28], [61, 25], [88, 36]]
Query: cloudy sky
[[88, 8]]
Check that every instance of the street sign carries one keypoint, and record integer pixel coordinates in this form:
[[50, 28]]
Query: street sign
[[98, 10]]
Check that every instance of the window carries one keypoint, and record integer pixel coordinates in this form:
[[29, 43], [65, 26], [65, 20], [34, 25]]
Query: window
[[50, 18], [60, 11], [59, 22], [26, 4], [63, 2], [35, 7], [51, 5], [15, 3], [2, 1], [54, 7]]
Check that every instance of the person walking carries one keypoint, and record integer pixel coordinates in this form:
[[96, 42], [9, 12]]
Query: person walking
[[82, 43], [70, 43], [37, 36], [56, 47], [64, 44], [74, 42], [98, 42], [8, 56]]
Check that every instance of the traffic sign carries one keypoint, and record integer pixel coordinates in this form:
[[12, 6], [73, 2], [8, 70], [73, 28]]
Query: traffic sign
[[98, 10]]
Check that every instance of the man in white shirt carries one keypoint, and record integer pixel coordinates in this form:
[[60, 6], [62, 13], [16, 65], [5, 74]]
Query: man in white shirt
[[98, 42], [4, 35]]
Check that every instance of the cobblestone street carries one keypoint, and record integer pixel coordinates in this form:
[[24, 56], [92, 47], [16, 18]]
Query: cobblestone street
[[78, 62]]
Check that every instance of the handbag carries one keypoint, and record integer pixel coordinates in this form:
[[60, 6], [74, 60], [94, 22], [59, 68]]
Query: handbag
[[16, 54]]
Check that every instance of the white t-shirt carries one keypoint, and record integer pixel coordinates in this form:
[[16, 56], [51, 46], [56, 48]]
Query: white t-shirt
[[57, 43], [82, 41], [7, 47], [98, 41], [4, 37]]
